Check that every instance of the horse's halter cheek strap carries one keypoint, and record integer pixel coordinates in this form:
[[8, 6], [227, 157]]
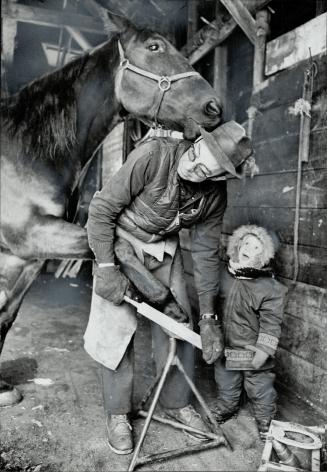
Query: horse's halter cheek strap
[[164, 82]]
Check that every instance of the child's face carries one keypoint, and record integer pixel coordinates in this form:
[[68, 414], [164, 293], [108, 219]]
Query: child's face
[[250, 251]]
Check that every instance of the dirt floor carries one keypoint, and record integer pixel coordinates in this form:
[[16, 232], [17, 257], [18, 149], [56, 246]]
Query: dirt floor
[[59, 425]]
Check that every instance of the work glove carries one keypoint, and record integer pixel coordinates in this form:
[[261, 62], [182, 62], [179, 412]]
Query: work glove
[[111, 284], [212, 340], [259, 358]]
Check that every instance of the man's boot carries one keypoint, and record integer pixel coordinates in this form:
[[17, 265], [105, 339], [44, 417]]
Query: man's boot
[[223, 413], [120, 437], [188, 416]]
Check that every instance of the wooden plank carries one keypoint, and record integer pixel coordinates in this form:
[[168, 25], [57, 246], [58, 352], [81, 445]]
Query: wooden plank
[[212, 35], [307, 380], [281, 154], [278, 190], [52, 18], [242, 16], [286, 87], [304, 339], [304, 300], [312, 227], [312, 264], [294, 46], [282, 121]]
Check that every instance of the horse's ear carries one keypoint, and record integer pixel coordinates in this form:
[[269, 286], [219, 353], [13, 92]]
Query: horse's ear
[[120, 23]]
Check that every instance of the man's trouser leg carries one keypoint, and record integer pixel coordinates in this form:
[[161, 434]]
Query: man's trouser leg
[[176, 392], [259, 386], [229, 385], [117, 385]]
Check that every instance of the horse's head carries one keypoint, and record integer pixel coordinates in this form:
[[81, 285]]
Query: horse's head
[[183, 102]]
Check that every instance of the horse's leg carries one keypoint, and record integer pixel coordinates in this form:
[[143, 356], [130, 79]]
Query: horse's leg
[[16, 277], [48, 237]]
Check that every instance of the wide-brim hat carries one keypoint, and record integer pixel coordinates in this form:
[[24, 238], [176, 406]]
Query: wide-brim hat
[[229, 145]]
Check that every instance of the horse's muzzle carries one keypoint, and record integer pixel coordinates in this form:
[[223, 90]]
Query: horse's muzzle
[[213, 109]]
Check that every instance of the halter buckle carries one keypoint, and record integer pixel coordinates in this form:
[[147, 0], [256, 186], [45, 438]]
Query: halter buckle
[[164, 83]]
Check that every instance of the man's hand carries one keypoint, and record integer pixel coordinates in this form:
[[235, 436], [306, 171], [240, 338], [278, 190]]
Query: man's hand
[[259, 358], [111, 284], [212, 340]]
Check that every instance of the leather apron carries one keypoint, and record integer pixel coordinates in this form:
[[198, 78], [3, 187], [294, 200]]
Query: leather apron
[[111, 327]]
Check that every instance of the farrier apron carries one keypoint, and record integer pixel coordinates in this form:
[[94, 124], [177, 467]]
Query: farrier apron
[[111, 327]]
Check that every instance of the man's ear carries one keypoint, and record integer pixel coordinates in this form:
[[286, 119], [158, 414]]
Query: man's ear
[[120, 23]]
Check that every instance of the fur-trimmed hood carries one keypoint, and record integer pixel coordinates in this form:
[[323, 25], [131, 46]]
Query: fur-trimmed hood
[[269, 245]]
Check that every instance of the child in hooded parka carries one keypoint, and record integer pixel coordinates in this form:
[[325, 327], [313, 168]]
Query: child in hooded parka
[[251, 304]]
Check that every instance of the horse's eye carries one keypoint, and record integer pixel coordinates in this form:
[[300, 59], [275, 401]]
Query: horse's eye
[[153, 47]]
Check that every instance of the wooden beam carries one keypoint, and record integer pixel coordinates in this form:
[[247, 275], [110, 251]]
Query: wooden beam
[[52, 18], [242, 16], [79, 38], [210, 36], [98, 11], [259, 61]]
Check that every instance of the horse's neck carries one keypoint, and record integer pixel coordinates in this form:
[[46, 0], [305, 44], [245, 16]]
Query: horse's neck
[[98, 109]]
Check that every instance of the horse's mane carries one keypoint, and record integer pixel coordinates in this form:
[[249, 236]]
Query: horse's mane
[[43, 114]]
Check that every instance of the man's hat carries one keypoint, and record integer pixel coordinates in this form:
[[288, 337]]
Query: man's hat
[[229, 145]]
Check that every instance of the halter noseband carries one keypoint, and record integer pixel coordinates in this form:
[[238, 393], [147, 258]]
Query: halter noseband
[[164, 82]]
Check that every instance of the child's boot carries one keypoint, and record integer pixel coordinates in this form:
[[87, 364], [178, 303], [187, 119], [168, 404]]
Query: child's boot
[[222, 414]]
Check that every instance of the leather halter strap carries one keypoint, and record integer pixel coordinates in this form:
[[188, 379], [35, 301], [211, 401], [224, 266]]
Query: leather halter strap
[[164, 82]]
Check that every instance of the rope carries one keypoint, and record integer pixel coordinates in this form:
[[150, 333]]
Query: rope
[[303, 154]]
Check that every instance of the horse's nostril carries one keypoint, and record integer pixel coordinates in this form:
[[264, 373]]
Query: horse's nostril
[[212, 108]]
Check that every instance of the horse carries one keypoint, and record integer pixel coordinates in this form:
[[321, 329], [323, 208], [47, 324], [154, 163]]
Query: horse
[[53, 126]]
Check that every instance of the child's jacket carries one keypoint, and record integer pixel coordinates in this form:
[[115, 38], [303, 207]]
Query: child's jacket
[[251, 311]]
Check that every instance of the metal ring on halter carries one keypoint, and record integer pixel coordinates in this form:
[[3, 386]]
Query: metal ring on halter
[[124, 63], [164, 80]]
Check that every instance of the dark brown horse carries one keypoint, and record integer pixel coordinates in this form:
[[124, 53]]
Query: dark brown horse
[[55, 124]]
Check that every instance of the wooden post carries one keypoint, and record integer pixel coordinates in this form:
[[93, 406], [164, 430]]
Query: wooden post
[[192, 18], [262, 27], [220, 70], [8, 38], [208, 37]]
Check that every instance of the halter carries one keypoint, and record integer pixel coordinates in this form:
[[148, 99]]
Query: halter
[[164, 82]]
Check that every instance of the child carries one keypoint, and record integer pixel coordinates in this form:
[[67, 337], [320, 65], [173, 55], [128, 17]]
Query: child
[[251, 305]]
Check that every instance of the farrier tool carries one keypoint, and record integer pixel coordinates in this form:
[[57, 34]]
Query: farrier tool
[[176, 330]]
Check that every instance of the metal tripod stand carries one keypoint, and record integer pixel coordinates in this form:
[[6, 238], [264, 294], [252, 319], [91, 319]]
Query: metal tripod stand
[[215, 438]]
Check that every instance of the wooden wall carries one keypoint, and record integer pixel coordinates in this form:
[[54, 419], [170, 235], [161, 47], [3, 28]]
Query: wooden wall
[[268, 199]]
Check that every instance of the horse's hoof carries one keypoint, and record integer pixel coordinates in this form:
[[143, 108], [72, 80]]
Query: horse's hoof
[[9, 395]]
